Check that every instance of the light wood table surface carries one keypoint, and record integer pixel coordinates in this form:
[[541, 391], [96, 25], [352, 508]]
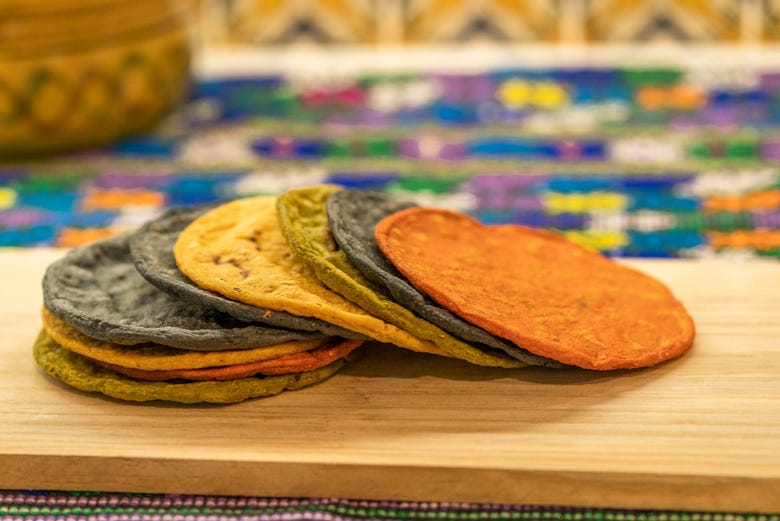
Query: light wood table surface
[[701, 432]]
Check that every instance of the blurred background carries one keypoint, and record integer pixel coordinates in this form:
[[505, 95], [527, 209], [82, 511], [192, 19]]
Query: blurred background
[[637, 127], [323, 22]]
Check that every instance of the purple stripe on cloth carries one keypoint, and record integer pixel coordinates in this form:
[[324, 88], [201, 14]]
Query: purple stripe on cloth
[[769, 220], [452, 87], [686, 122], [374, 118], [131, 180], [519, 183], [722, 116], [769, 150], [506, 200], [159, 507], [465, 88], [23, 217], [769, 82], [482, 89]]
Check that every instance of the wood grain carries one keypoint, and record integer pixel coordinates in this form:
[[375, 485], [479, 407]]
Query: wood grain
[[701, 432]]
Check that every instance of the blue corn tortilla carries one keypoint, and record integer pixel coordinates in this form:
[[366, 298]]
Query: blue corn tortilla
[[352, 217], [151, 248], [97, 290]]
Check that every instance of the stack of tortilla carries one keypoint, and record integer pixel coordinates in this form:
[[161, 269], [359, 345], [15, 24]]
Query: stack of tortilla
[[120, 319], [265, 294]]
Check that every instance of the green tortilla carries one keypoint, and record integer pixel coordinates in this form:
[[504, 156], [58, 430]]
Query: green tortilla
[[304, 222], [78, 372]]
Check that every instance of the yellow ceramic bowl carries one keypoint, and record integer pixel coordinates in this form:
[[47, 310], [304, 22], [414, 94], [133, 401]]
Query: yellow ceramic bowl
[[82, 73]]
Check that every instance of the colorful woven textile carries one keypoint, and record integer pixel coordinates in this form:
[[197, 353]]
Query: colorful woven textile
[[633, 162], [78, 506]]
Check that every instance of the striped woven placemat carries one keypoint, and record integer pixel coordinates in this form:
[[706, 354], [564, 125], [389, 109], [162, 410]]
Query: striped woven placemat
[[78, 506]]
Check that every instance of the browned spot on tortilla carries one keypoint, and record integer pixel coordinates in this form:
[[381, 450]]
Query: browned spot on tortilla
[[276, 280], [232, 262], [256, 239]]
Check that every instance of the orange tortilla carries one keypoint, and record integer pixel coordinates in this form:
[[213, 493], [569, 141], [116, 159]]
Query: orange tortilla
[[287, 364], [537, 289]]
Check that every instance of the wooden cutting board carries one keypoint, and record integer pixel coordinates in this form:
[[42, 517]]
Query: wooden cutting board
[[701, 432]]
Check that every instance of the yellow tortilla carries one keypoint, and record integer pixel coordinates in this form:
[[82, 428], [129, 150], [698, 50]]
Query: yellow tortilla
[[238, 251], [156, 357]]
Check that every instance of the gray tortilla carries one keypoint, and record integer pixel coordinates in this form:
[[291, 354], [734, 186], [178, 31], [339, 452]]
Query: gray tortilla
[[352, 216], [97, 290], [151, 248]]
